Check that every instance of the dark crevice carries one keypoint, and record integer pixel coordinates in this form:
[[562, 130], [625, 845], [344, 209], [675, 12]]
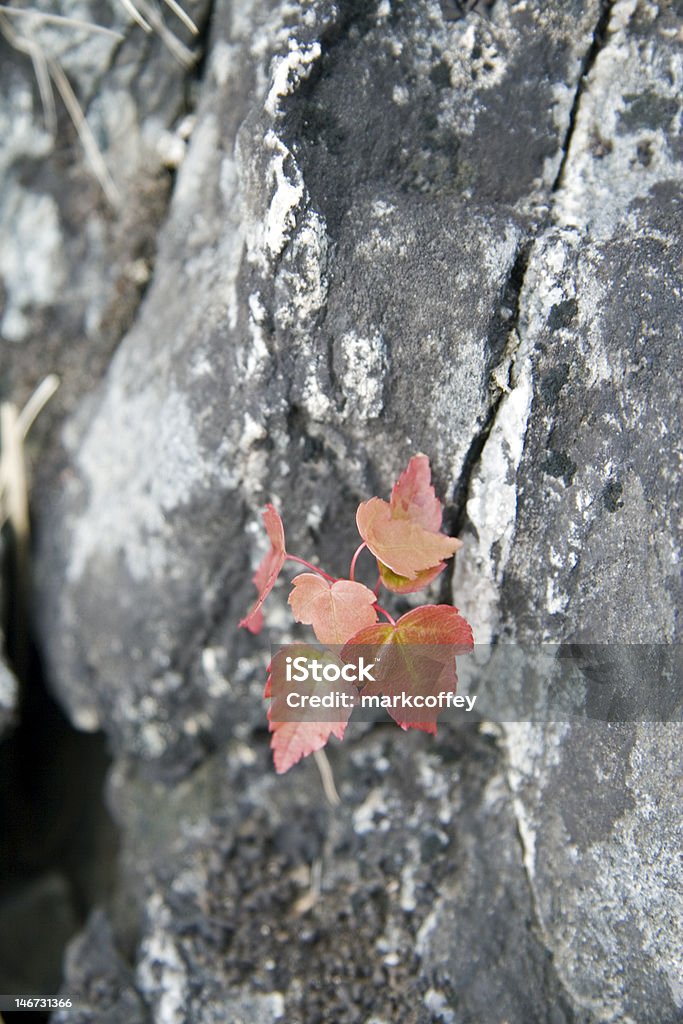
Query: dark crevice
[[506, 317], [202, 43], [58, 845], [503, 324], [590, 57]]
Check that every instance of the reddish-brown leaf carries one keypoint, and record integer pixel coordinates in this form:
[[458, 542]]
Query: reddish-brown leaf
[[414, 498], [335, 610], [402, 545], [268, 571], [296, 733], [403, 534], [403, 585], [413, 658]]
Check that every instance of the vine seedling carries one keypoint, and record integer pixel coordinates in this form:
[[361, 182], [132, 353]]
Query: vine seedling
[[404, 534]]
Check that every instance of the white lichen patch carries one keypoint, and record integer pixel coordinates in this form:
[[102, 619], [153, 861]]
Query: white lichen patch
[[437, 1004], [32, 265], [562, 270], [314, 399], [161, 973], [408, 891], [533, 750], [364, 362], [302, 277], [492, 509], [288, 71], [288, 191], [400, 95]]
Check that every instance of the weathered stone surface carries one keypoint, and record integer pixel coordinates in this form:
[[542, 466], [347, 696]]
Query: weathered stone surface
[[397, 228], [74, 261], [584, 535], [598, 812], [408, 902], [101, 983], [8, 697], [585, 545], [333, 294]]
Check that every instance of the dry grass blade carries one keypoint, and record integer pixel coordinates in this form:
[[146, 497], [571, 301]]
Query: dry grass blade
[[310, 898], [13, 475], [327, 778], [92, 152], [46, 69], [182, 53], [34, 51], [14, 426], [183, 16], [47, 98], [14, 509], [36, 403], [135, 15]]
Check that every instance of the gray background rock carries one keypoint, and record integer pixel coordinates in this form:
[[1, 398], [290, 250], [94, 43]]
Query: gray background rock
[[396, 228], [8, 697]]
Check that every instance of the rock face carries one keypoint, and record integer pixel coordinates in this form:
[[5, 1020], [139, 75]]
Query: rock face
[[444, 227], [8, 697]]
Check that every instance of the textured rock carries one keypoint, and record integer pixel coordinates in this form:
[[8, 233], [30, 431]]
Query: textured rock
[[292, 373], [101, 983], [8, 697], [284, 909], [74, 262], [597, 809], [585, 546], [397, 228]]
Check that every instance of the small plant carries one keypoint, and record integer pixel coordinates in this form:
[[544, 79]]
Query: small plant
[[405, 537]]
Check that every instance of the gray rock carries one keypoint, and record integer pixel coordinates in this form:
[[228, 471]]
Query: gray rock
[[584, 545], [397, 228], [408, 902], [75, 261], [100, 984], [291, 374], [8, 697], [597, 812]]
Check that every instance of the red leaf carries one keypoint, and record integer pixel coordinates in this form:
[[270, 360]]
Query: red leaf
[[414, 498], [268, 571], [335, 610], [403, 546], [404, 534], [413, 658], [296, 733], [403, 585]]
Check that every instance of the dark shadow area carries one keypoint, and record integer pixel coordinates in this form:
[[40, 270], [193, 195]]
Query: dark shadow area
[[58, 843]]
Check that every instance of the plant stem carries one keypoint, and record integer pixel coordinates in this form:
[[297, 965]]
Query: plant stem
[[352, 568], [383, 611], [378, 584], [309, 565]]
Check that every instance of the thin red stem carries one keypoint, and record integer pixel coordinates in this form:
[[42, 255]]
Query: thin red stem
[[309, 565], [383, 611], [352, 568], [378, 584]]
